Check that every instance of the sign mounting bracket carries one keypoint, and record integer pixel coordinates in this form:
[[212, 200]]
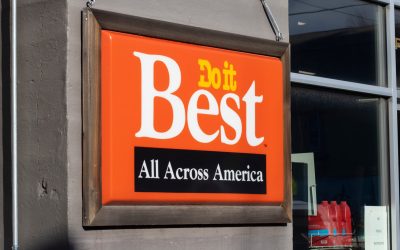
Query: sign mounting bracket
[[272, 21], [90, 3]]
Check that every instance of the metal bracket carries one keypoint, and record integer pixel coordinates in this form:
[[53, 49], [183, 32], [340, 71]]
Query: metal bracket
[[272, 21], [90, 3]]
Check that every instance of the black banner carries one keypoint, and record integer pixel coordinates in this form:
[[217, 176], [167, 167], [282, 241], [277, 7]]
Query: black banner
[[191, 171]]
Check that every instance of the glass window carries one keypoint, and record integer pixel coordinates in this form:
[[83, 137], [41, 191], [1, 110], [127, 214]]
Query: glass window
[[339, 173], [341, 39], [398, 136]]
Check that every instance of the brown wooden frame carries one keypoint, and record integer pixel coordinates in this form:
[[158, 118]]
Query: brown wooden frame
[[94, 213]]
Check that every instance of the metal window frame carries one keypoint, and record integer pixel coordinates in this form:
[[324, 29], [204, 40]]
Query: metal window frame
[[97, 214], [341, 85], [390, 93], [393, 127]]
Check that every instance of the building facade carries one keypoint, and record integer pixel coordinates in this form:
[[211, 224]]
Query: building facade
[[344, 124]]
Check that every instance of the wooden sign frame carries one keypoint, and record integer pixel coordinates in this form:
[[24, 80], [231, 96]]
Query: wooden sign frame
[[96, 214]]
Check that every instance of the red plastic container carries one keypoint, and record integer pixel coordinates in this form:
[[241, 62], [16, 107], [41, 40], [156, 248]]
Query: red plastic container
[[346, 224], [320, 227], [336, 220], [332, 225]]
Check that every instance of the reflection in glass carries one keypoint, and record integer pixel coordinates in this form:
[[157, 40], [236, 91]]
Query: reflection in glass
[[344, 134], [341, 39]]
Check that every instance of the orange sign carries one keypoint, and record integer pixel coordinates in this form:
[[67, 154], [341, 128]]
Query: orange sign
[[184, 123]]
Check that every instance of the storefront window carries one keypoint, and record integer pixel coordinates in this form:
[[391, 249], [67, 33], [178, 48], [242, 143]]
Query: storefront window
[[398, 135], [340, 193], [341, 39]]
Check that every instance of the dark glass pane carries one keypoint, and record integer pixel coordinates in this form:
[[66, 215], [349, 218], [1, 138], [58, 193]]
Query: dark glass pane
[[342, 134], [397, 27], [341, 39]]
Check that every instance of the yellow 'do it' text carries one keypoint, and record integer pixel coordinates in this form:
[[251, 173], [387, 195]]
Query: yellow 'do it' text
[[211, 77]]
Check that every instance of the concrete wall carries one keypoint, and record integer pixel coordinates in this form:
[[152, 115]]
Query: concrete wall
[[50, 123], [42, 128]]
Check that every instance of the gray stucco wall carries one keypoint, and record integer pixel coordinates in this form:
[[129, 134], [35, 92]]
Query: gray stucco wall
[[50, 126], [42, 126], [244, 17]]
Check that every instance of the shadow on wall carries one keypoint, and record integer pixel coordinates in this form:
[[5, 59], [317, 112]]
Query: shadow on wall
[[53, 244], [5, 158]]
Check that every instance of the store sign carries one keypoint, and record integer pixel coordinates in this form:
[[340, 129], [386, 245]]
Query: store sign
[[189, 123]]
